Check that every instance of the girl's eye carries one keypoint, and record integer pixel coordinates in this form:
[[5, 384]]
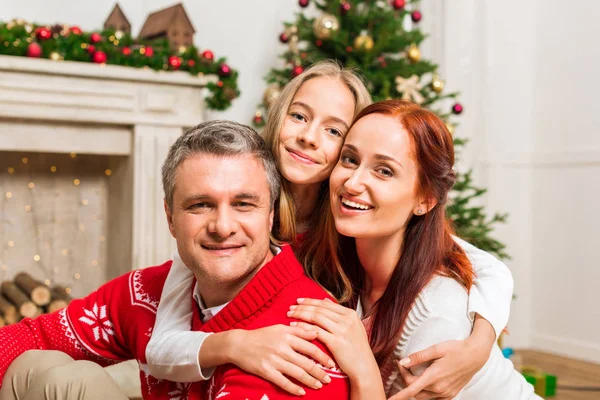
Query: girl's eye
[[298, 116], [347, 159], [335, 132]]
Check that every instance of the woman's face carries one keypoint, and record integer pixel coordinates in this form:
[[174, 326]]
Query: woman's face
[[314, 129], [373, 185]]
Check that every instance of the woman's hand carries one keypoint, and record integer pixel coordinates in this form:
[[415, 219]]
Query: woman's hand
[[454, 363], [277, 353], [344, 334]]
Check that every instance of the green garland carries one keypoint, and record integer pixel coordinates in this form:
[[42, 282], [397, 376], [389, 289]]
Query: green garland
[[61, 42]]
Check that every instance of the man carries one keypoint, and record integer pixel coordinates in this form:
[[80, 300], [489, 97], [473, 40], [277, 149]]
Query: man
[[220, 184]]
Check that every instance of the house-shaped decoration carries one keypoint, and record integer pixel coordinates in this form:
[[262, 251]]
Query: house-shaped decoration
[[171, 23], [117, 20]]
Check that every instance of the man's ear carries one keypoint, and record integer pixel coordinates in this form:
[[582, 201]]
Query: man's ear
[[169, 218], [271, 218]]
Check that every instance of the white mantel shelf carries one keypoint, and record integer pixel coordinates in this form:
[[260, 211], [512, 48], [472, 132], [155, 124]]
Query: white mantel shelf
[[133, 113]]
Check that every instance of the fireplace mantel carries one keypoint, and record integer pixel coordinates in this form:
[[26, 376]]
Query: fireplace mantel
[[136, 114]]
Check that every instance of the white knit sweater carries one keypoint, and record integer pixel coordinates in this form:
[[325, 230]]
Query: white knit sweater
[[173, 350], [440, 314]]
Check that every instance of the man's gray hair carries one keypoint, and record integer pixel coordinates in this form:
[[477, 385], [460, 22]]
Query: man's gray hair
[[219, 138]]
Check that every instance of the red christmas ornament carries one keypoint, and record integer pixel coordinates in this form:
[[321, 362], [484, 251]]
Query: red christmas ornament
[[220, 83], [319, 43], [224, 70], [416, 16], [297, 70], [258, 119], [303, 55], [43, 33], [209, 55], [175, 62], [75, 30], [95, 37], [457, 108], [303, 3], [34, 50], [126, 51], [149, 51], [349, 49], [398, 4], [99, 57], [284, 38], [91, 48], [191, 63], [344, 8]]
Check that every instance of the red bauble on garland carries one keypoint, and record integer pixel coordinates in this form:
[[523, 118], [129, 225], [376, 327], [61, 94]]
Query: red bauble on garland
[[303, 3], [175, 62], [416, 16], [95, 37], [191, 63], [258, 119], [91, 49], [398, 4], [34, 50], [284, 38], [99, 57], [297, 70], [224, 70], [344, 8], [43, 33], [319, 43], [75, 30], [126, 51], [209, 55], [149, 51], [457, 108]]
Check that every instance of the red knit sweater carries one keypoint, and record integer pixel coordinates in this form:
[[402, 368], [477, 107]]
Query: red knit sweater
[[115, 323]]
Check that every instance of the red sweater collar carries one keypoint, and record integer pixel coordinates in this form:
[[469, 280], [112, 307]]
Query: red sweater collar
[[273, 277]]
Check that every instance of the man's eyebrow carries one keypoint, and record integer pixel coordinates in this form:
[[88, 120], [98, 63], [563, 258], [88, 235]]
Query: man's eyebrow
[[247, 196]]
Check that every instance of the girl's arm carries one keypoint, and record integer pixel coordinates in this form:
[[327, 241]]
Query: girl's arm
[[177, 354]]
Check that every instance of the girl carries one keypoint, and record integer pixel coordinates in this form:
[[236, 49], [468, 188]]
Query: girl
[[306, 129], [408, 278]]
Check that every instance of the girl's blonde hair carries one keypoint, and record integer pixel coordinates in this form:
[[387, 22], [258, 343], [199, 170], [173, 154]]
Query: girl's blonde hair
[[285, 212]]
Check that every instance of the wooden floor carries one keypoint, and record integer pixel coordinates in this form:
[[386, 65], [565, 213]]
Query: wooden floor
[[569, 372]]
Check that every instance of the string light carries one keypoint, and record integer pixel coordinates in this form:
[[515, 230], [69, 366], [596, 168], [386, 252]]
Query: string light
[[76, 276], [31, 185], [84, 202], [8, 195], [27, 208], [53, 168], [11, 170], [24, 160], [11, 243], [64, 252], [47, 282], [73, 155], [76, 182], [68, 290], [36, 257], [95, 262], [108, 172]]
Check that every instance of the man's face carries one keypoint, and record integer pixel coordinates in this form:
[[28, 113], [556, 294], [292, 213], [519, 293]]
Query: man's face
[[221, 219]]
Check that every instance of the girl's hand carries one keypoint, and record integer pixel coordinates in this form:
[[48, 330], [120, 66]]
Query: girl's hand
[[342, 331], [279, 352]]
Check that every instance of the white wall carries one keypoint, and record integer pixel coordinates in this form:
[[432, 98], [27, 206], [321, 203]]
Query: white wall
[[527, 71], [246, 32]]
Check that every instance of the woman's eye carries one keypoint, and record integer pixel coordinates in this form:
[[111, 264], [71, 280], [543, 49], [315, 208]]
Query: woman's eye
[[348, 159], [386, 172]]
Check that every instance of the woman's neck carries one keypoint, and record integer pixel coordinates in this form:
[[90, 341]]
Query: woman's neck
[[305, 197], [378, 258]]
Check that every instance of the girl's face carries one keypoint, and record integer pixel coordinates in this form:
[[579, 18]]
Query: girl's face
[[373, 186], [314, 129]]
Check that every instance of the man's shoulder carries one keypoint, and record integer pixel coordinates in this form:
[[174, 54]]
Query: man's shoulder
[[146, 284]]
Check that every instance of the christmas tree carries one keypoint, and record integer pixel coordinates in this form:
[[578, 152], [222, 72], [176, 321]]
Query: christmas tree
[[381, 39]]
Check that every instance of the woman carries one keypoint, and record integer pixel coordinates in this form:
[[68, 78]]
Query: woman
[[409, 278], [306, 130]]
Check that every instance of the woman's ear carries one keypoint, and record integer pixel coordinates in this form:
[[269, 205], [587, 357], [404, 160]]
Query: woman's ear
[[424, 206]]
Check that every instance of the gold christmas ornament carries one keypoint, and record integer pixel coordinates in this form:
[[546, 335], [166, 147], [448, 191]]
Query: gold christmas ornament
[[437, 84], [55, 56], [413, 53], [271, 94], [325, 26], [364, 42], [450, 128]]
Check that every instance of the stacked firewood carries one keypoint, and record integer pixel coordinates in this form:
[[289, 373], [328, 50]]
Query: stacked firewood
[[26, 297]]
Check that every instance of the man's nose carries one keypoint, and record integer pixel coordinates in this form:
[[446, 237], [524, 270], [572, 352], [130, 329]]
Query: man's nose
[[223, 224]]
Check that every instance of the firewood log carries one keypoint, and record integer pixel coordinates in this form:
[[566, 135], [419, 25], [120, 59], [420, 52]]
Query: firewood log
[[60, 298], [25, 306], [37, 291], [8, 311], [2, 322]]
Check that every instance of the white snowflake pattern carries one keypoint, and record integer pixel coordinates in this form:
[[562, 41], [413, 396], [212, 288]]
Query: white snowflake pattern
[[97, 319], [222, 392], [181, 393]]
